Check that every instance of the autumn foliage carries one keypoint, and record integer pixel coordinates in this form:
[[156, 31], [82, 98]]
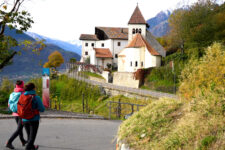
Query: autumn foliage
[[55, 60], [206, 75]]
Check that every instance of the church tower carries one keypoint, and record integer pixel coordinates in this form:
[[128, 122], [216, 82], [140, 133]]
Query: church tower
[[137, 24]]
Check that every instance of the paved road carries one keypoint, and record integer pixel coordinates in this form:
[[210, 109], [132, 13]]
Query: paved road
[[67, 134]]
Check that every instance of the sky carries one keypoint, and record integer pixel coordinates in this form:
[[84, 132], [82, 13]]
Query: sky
[[67, 19]]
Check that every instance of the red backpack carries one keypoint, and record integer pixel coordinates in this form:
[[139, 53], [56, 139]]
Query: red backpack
[[24, 107]]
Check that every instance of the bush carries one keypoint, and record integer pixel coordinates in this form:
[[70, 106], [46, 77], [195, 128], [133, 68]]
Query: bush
[[205, 76], [5, 89]]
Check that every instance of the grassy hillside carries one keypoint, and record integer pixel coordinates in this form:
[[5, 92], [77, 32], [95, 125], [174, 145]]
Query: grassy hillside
[[194, 122]]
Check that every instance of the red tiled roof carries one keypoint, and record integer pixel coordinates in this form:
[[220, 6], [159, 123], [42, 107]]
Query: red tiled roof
[[139, 41], [115, 33], [103, 53], [88, 37], [137, 17]]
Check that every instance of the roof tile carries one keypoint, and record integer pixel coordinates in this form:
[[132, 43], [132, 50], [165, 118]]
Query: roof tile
[[88, 37], [137, 17], [115, 33], [103, 53], [139, 41]]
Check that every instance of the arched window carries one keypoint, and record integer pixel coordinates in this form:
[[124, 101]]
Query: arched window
[[137, 30], [140, 30], [133, 31]]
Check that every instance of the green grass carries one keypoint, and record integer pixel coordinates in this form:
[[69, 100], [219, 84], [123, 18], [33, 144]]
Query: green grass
[[91, 74], [100, 106], [169, 124], [4, 109]]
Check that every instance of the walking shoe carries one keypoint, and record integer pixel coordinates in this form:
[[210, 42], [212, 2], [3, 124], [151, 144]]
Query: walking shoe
[[36, 147], [10, 146], [24, 143]]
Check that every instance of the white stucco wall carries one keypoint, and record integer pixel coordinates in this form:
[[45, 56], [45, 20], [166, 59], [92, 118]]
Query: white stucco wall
[[107, 44], [93, 57], [151, 60], [116, 49], [88, 48], [135, 26], [128, 55]]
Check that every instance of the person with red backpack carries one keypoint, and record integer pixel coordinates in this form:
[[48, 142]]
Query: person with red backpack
[[28, 108], [13, 100]]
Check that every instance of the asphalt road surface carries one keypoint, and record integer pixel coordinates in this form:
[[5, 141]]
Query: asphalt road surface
[[66, 134]]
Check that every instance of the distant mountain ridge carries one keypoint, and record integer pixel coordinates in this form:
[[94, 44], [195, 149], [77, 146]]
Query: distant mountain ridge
[[72, 46], [29, 63], [159, 25]]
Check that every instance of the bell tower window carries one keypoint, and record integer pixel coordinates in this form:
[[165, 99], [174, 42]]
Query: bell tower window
[[136, 30], [140, 30], [133, 31]]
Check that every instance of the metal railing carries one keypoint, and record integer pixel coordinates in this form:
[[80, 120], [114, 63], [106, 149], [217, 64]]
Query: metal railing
[[119, 110]]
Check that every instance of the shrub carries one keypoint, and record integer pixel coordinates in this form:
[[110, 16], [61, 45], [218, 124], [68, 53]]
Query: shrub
[[199, 78], [5, 90]]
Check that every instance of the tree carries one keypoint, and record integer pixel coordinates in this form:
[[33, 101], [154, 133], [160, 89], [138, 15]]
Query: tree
[[176, 34], [12, 17], [197, 26], [73, 60], [55, 60]]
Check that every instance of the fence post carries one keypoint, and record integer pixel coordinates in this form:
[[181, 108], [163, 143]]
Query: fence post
[[86, 105], [83, 101], [132, 108], [119, 109], [109, 110], [59, 103]]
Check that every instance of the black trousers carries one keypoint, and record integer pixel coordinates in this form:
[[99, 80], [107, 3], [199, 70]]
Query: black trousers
[[19, 131], [33, 126]]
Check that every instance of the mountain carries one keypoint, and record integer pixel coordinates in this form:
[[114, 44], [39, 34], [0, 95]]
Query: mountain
[[72, 46], [29, 63], [159, 24]]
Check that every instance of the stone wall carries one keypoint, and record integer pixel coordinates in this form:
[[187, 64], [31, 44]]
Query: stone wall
[[125, 79], [105, 74], [97, 79], [113, 92]]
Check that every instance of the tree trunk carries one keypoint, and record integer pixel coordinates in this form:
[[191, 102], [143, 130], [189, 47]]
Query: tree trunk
[[4, 63]]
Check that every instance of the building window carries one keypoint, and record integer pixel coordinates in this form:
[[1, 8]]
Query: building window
[[103, 44], [136, 63], [116, 55], [92, 44], [86, 53], [142, 64], [137, 30], [133, 31], [140, 30], [118, 43], [86, 44], [131, 63]]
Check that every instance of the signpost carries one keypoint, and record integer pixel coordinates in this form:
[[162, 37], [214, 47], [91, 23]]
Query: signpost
[[45, 87]]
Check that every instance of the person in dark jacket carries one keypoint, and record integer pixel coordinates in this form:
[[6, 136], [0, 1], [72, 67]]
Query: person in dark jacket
[[14, 97], [33, 123]]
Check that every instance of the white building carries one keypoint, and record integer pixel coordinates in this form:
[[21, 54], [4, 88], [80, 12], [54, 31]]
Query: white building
[[129, 48], [103, 47], [142, 51]]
